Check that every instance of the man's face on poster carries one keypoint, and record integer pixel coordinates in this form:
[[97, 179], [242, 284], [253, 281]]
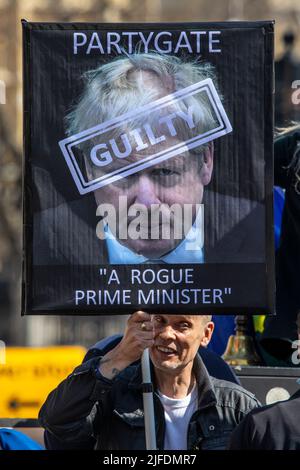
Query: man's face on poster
[[163, 198], [178, 181]]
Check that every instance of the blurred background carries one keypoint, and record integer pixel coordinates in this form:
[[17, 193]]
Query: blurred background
[[53, 330]]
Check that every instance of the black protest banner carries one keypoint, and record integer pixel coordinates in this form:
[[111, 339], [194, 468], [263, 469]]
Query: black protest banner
[[148, 172]]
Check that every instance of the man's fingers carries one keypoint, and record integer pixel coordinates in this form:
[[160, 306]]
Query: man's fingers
[[144, 336], [142, 321], [139, 317], [145, 326], [140, 332]]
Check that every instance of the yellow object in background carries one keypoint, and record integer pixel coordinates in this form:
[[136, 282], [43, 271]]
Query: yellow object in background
[[259, 321], [30, 374]]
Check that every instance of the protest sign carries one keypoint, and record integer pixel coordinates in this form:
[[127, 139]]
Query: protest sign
[[148, 168]]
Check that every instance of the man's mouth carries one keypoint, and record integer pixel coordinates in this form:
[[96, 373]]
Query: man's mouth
[[165, 350]]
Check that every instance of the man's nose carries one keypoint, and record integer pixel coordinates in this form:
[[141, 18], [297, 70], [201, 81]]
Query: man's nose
[[146, 191], [166, 333]]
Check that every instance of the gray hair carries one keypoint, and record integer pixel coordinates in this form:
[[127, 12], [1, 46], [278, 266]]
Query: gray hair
[[113, 89]]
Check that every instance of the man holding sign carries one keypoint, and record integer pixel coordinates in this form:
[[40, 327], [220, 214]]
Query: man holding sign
[[100, 404]]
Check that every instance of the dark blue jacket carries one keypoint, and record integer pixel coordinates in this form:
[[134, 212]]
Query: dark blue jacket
[[89, 411]]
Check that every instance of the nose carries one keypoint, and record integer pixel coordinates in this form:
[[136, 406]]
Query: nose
[[166, 333], [146, 192]]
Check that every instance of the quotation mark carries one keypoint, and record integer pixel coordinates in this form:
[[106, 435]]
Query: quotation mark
[[227, 290], [102, 271]]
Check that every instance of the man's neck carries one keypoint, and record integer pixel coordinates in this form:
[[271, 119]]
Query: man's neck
[[175, 385], [189, 250]]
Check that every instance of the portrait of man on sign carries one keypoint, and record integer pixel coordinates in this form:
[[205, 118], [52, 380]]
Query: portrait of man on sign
[[149, 164]]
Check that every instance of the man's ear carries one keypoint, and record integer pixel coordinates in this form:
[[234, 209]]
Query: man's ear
[[208, 164], [207, 334]]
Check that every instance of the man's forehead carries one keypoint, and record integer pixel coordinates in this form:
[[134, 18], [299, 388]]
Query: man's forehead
[[163, 146], [181, 162], [179, 318]]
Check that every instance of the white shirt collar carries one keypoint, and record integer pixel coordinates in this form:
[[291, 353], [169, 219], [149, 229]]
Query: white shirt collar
[[189, 250]]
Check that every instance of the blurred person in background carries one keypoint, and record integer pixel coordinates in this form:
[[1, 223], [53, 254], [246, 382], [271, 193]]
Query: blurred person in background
[[280, 331], [272, 427]]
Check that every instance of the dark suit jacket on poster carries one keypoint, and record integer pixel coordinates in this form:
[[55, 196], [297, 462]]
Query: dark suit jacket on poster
[[234, 233]]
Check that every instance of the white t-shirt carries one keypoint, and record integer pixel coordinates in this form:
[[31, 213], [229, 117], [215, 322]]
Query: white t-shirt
[[178, 412]]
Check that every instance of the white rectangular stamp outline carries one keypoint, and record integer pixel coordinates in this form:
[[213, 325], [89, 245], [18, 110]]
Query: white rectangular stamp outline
[[223, 128]]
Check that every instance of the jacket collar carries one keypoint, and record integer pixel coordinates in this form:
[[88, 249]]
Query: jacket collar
[[206, 393]]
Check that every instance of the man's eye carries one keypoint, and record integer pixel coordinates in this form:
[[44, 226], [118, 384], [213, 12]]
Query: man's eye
[[158, 172], [184, 326]]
